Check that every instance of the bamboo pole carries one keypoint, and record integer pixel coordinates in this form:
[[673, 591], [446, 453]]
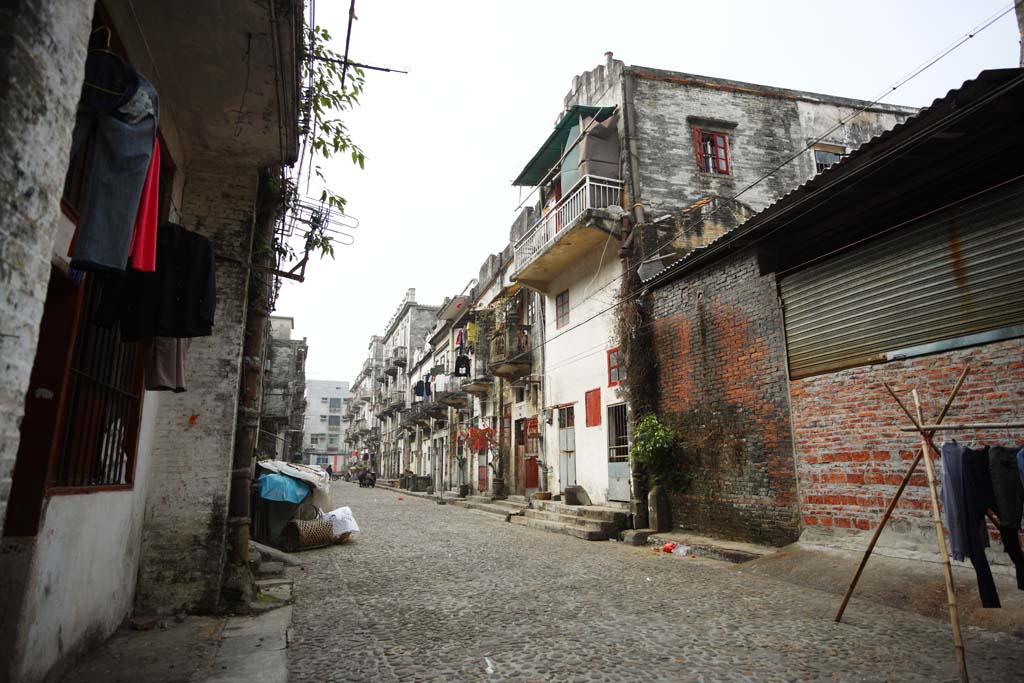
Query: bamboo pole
[[899, 491], [959, 426], [954, 619]]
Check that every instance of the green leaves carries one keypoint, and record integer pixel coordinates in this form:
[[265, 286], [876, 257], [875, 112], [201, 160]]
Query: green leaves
[[657, 448]]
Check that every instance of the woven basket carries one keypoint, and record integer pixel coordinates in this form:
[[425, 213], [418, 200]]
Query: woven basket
[[301, 534]]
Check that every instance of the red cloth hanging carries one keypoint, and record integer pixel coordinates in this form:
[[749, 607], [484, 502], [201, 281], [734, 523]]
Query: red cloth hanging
[[143, 248]]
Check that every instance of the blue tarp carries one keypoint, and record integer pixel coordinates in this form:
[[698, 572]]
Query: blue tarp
[[283, 488]]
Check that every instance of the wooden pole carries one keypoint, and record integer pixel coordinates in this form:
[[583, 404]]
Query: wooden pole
[[954, 619], [959, 426], [899, 491]]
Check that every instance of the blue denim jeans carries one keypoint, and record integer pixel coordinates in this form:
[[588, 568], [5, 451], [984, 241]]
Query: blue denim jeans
[[119, 155]]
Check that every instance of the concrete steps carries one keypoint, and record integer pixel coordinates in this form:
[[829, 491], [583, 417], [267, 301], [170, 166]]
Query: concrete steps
[[589, 522], [496, 507]]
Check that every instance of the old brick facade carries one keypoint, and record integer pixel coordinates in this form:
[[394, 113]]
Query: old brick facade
[[850, 455], [720, 346]]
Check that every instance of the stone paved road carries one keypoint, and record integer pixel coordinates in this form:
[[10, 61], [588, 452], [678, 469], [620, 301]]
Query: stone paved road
[[439, 593]]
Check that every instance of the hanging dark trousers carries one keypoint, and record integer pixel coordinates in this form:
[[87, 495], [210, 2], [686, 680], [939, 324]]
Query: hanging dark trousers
[[978, 496], [1009, 503]]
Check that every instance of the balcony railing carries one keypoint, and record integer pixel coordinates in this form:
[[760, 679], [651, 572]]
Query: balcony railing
[[396, 400], [511, 352], [590, 192], [398, 357], [481, 382]]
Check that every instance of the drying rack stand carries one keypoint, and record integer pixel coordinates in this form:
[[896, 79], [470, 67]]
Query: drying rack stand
[[926, 433]]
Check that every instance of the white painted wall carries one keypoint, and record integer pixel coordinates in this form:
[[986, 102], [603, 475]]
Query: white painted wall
[[576, 361], [81, 585]]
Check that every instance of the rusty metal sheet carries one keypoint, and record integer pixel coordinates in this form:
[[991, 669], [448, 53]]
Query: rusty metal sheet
[[954, 274]]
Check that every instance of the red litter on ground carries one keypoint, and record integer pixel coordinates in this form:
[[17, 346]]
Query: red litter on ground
[[400, 498], [668, 547]]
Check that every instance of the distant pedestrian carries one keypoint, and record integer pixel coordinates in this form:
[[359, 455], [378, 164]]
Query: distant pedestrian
[[330, 472]]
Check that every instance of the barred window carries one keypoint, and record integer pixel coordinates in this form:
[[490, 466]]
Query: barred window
[[99, 434]]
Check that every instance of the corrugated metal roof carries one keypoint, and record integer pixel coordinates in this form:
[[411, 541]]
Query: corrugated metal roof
[[972, 91]]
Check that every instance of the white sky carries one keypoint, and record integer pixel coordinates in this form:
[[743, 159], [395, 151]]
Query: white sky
[[485, 85]]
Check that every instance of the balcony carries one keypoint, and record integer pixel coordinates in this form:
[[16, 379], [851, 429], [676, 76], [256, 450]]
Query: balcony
[[382, 378], [481, 382], [389, 366], [399, 357], [511, 352], [574, 227], [396, 400], [454, 396]]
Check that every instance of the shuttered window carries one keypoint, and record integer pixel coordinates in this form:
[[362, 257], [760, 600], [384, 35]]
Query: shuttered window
[[593, 407], [947, 277]]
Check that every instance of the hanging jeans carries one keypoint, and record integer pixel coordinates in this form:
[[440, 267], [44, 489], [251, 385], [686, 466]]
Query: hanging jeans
[[119, 157], [978, 496], [1009, 503]]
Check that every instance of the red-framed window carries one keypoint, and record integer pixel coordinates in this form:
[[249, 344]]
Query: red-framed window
[[562, 309], [593, 402], [712, 150], [616, 367]]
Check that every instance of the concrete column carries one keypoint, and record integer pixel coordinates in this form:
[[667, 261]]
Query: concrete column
[[43, 46], [1019, 7], [184, 535]]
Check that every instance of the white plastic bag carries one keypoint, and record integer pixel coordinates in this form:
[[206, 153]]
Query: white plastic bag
[[342, 521]]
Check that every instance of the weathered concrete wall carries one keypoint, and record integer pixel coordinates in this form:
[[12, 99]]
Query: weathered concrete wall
[[851, 457], [183, 542], [42, 54], [765, 126], [720, 345]]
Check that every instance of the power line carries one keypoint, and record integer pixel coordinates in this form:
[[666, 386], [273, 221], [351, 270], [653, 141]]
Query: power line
[[916, 139], [891, 89]]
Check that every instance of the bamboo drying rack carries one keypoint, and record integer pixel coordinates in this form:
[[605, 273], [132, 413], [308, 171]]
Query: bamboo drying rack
[[926, 432]]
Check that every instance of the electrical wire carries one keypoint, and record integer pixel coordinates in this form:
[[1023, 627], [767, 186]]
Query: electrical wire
[[898, 84]]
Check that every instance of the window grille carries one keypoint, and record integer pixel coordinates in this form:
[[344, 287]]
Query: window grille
[[100, 429], [618, 434], [712, 151], [824, 158]]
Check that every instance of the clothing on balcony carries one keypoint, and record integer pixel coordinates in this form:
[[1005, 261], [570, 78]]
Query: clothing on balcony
[[462, 366]]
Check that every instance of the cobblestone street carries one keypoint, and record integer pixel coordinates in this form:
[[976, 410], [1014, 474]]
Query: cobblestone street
[[431, 592]]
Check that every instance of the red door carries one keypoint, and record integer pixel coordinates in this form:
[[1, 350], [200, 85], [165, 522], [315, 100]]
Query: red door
[[481, 475]]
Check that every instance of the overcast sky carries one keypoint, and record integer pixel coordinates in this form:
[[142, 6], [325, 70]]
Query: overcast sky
[[485, 85]]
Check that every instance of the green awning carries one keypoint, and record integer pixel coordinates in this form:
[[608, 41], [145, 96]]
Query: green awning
[[551, 150]]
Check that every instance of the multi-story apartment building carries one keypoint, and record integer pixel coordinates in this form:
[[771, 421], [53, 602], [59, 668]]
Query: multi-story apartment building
[[324, 429], [283, 406], [406, 331], [363, 436], [655, 163]]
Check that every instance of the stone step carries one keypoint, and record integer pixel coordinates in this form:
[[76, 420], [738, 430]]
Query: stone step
[[585, 533], [270, 568], [611, 528], [594, 512], [495, 507]]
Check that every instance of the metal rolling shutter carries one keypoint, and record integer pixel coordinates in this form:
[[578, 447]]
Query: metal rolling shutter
[[953, 274]]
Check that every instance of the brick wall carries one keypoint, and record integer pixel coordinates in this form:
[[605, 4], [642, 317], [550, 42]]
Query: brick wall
[[42, 55], [183, 542], [720, 346], [850, 455]]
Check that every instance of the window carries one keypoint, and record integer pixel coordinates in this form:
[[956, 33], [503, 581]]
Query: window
[[531, 309], [618, 434], [520, 394], [562, 309], [593, 402], [314, 439], [335, 405], [99, 436], [332, 440], [616, 367], [322, 459], [823, 158], [712, 151]]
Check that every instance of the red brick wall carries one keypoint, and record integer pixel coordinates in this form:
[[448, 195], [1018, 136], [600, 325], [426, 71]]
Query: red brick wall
[[850, 455], [720, 349]]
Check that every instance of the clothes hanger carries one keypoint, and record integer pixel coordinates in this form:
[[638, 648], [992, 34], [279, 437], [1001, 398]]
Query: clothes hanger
[[106, 50]]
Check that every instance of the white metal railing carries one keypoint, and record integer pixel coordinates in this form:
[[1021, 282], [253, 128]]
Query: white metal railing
[[590, 192]]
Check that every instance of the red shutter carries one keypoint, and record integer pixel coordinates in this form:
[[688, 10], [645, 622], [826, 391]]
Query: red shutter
[[722, 153], [594, 408], [697, 148]]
